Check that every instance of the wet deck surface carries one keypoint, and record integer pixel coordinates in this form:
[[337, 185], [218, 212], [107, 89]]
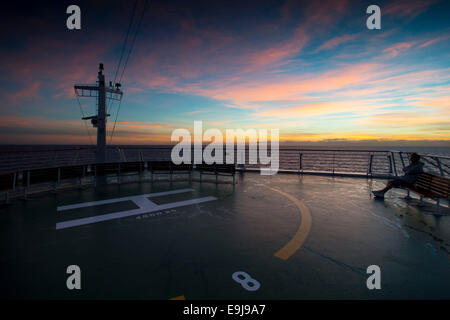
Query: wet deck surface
[[193, 250]]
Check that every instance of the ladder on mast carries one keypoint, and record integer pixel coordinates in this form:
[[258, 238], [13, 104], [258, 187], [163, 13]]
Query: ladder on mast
[[101, 92]]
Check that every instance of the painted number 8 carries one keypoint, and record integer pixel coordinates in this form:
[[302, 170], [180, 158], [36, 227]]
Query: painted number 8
[[247, 282]]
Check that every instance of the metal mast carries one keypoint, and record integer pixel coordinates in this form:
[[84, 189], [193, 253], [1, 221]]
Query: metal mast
[[101, 92]]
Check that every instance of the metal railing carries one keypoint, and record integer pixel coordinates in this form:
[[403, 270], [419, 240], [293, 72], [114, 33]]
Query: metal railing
[[334, 162], [372, 163], [19, 168]]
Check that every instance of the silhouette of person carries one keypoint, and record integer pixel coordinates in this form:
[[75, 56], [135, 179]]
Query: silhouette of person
[[412, 172]]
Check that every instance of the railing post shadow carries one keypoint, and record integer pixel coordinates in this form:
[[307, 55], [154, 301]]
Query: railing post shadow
[[393, 164], [58, 180], [439, 165], [95, 176], [119, 175], [25, 193], [369, 169], [83, 174], [390, 165], [438, 206], [300, 168], [334, 155], [408, 195]]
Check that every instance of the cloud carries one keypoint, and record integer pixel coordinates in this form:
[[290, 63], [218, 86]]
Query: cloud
[[394, 50], [287, 87], [32, 129], [406, 119], [433, 41], [313, 109], [408, 8], [31, 91], [144, 124], [334, 42], [196, 112], [273, 56], [253, 68]]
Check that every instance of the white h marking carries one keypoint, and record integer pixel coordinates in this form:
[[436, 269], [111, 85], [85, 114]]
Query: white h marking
[[142, 201]]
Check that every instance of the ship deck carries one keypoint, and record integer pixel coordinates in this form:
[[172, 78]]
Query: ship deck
[[298, 236]]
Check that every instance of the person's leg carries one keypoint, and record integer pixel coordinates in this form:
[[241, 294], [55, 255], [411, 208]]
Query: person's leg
[[391, 184]]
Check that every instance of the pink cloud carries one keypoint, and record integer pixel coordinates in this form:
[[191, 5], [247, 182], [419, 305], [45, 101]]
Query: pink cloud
[[196, 52], [32, 91], [68, 63], [335, 42], [196, 112], [407, 8], [273, 56], [324, 13], [401, 79], [134, 89], [286, 88], [433, 41], [312, 109], [394, 50]]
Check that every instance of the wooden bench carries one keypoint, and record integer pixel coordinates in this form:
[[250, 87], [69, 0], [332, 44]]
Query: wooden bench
[[217, 170], [431, 186]]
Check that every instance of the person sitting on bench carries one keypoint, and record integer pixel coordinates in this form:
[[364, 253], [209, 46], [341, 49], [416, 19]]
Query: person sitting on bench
[[412, 172]]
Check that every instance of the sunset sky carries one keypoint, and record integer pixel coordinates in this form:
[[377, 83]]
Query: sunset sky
[[309, 68]]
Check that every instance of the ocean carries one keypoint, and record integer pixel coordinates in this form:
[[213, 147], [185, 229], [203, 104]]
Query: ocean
[[431, 150]]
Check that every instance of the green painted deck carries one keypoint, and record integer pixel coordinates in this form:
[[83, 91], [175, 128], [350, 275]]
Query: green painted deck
[[193, 250]]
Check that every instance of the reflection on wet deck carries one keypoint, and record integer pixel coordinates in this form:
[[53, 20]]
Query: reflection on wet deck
[[193, 250]]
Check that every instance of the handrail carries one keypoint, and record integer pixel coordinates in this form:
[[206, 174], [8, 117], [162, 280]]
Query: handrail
[[368, 162]]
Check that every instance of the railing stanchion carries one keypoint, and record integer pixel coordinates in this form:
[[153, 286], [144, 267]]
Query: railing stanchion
[[393, 164], [439, 166], [369, 169], [83, 175], [25, 193], [390, 165], [58, 180], [401, 158], [334, 155], [300, 169]]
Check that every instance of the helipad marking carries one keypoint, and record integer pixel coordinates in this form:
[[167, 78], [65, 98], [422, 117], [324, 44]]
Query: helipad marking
[[142, 201], [300, 236], [132, 198]]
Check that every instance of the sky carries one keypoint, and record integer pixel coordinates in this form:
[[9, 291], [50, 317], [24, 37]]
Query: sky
[[311, 69]]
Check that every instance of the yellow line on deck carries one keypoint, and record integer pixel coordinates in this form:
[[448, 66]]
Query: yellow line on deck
[[179, 298], [300, 236]]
